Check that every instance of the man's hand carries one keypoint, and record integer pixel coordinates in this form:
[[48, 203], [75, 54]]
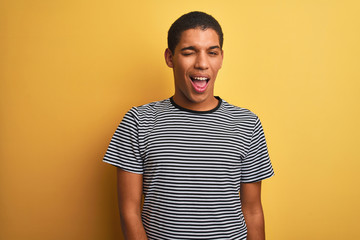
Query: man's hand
[[129, 197], [250, 195]]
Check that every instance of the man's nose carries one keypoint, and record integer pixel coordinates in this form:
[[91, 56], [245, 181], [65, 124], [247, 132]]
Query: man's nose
[[201, 61]]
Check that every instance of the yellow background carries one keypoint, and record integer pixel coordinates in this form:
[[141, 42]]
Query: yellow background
[[70, 69]]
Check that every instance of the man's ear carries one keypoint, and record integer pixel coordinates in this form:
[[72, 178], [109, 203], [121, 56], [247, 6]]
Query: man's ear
[[169, 58]]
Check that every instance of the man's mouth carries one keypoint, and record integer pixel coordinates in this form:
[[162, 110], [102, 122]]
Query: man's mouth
[[199, 83]]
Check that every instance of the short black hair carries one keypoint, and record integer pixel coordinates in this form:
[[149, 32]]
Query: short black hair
[[192, 20]]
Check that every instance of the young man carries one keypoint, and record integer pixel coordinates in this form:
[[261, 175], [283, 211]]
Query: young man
[[192, 154]]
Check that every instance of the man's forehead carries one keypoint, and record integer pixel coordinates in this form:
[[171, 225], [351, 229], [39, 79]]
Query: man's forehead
[[196, 36]]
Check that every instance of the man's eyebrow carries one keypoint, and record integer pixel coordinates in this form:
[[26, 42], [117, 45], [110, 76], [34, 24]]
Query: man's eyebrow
[[188, 48], [214, 47], [193, 48]]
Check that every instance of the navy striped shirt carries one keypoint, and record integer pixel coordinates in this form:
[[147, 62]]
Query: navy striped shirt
[[192, 164]]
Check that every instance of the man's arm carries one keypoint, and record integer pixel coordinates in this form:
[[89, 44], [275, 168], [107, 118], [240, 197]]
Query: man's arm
[[129, 197], [250, 195]]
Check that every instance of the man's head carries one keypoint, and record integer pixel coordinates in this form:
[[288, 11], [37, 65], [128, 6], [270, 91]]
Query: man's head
[[195, 54], [192, 20]]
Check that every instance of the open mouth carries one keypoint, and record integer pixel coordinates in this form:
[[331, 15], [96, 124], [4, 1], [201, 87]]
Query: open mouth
[[199, 83]]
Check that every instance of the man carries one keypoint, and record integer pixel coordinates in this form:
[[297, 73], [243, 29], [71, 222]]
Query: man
[[192, 154]]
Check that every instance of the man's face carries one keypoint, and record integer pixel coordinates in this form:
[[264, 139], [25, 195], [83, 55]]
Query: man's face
[[196, 61]]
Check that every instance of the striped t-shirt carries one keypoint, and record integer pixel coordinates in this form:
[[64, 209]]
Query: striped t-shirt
[[192, 164]]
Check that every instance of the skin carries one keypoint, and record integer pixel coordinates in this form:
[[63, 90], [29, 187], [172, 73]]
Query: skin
[[129, 200], [250, 195], [197, 54]]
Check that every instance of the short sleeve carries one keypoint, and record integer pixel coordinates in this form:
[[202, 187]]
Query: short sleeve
[[123, 150], [256, 165]]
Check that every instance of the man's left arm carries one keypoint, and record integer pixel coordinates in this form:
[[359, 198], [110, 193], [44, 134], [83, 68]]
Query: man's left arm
[[250, 195]]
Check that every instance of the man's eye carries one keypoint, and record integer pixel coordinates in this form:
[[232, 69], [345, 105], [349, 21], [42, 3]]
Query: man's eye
[[187, 53], [213, 53]]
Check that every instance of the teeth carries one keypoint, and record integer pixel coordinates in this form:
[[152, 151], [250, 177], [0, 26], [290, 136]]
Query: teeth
[[200, 78]]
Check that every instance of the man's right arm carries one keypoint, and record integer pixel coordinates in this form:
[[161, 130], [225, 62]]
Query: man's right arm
[[129, 198]]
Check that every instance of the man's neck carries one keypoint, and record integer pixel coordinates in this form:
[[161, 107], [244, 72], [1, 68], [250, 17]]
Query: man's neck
[[206, 105]]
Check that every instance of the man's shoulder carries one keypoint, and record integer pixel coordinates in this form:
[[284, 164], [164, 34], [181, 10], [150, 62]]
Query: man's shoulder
[[151, 108], [154, 105], [236, 111]]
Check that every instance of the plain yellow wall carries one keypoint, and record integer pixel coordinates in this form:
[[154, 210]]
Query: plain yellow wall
[[70, 69]]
